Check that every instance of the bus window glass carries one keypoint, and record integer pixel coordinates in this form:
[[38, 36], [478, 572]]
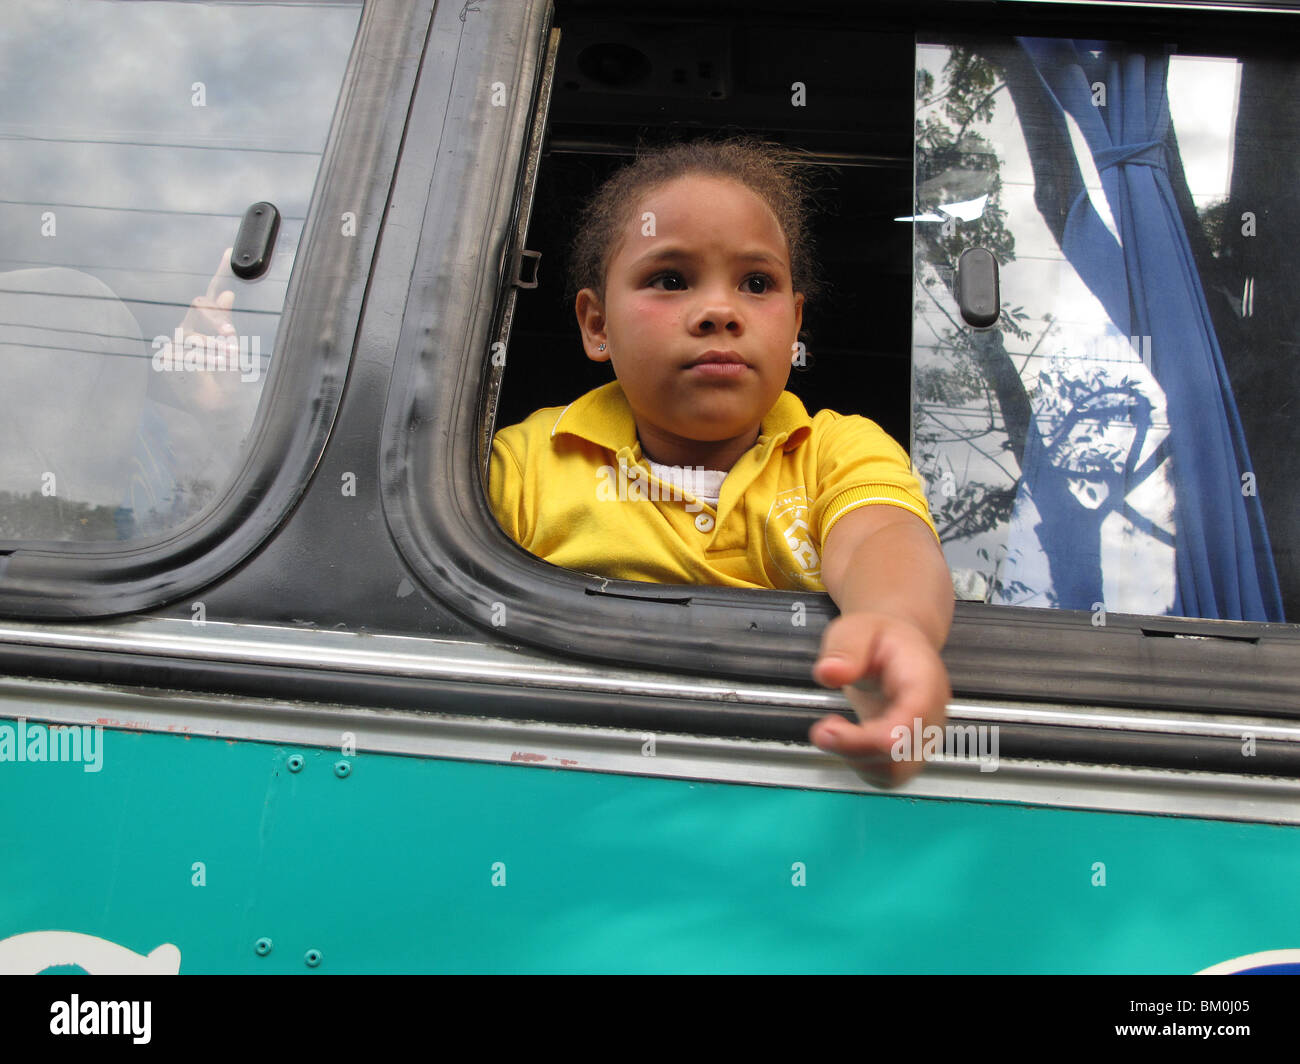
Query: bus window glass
[[1120, 439], [137, 135]]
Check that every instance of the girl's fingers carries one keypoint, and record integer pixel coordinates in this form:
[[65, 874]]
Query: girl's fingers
[[221, 312], [845, 651], [223, 271], [873, 763], [211, 319]]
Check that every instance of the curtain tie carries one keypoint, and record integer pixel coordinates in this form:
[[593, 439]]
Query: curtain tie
[[1145, 153]]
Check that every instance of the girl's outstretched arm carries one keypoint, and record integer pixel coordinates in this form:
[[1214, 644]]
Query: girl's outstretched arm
[[887, 575]]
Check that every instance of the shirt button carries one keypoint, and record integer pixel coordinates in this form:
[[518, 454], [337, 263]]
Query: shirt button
[[704, 522]]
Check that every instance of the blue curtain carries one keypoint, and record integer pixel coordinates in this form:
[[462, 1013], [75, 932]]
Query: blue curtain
[[1150, 287]]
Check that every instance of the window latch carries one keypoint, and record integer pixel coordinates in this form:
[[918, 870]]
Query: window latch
[[976, 287], [251, 255], [522, 266]]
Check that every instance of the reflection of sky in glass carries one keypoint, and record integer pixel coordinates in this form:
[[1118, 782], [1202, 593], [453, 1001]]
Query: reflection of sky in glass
[[1137, 573], [101, 130], [1203, 94]]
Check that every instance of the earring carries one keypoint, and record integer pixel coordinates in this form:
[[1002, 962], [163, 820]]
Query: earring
[[601, 348]]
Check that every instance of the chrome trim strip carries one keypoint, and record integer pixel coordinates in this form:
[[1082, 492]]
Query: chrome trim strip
[[1137, 720], [470, 662], [685, 757]]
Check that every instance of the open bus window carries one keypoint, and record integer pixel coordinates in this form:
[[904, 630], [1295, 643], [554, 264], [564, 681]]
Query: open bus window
[[1121, 440], [136, 140], [854, 146]]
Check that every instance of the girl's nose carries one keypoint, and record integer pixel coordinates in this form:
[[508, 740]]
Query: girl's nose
[[716, 312]]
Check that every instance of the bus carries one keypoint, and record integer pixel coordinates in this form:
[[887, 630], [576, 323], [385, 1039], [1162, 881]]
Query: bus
[[278, 695]]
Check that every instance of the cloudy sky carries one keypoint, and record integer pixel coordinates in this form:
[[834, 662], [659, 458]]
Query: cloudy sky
[[146, 189]]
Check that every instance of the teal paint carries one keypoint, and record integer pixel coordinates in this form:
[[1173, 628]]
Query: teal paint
[[389, 869]]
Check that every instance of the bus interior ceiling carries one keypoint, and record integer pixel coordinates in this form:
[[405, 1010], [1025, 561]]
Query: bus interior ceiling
[[617, 83]]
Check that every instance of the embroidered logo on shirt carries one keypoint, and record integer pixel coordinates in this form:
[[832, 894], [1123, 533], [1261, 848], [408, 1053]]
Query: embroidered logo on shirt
[[789, 539]]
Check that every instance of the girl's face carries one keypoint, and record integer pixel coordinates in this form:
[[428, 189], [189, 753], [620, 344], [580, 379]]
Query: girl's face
[[702, 271]]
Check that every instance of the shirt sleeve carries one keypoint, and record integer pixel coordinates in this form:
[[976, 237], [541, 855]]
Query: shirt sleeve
[[506, 489], [859, 464]]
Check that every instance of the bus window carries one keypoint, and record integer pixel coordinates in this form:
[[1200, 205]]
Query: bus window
[[1120, 439], [853, 151], [132, 359]]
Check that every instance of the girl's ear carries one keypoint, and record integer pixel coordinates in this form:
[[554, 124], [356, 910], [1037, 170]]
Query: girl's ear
[[798, 312], [591, 320]]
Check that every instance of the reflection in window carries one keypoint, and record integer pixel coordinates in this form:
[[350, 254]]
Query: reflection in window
[[1092, 451], [136, 136]]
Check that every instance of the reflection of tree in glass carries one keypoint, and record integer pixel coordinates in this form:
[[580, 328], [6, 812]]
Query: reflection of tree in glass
[[38, 517], [190, 498], [35, 516], [1089, 423], [1215, 220], [955, 165], [1245, 251]]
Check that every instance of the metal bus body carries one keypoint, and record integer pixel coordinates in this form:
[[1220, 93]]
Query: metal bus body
[[339, 723]]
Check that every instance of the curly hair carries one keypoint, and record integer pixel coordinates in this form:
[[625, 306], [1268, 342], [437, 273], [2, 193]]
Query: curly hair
[[772, 172]]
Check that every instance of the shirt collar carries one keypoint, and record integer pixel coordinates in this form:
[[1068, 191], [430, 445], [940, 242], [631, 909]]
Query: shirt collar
[[604, 417]]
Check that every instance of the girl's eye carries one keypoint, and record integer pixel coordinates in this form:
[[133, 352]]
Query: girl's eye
[[670, 276], [677, 284]]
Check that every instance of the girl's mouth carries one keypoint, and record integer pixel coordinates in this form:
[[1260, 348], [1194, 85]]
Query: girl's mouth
[[719, 369], [719, 364]]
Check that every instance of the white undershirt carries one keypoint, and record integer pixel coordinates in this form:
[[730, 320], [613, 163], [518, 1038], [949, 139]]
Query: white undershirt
[[704, 484]]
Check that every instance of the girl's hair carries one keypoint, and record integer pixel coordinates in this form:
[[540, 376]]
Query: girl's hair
[[769, 170]]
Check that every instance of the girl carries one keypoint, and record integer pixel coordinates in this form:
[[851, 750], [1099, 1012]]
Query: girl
[[691, 268]]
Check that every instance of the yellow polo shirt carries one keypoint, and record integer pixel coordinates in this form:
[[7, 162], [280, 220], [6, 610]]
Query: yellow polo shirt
[[570, 485]]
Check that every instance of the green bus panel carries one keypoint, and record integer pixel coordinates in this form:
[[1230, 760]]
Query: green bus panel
[[408, 864]]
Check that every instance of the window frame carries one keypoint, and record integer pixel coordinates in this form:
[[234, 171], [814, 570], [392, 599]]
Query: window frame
[[434, 496], [303, 392]]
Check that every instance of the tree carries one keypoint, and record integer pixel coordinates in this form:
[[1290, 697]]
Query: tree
[[1088, 423]]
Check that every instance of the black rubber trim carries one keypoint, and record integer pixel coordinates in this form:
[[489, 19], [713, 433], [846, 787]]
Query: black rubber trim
[[1060, 656], [148, 676], [322, 310]]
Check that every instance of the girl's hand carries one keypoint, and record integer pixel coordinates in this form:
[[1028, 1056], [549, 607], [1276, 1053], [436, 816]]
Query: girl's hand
[[209, 319], [209, 314], [913, 683], [207, 323]]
